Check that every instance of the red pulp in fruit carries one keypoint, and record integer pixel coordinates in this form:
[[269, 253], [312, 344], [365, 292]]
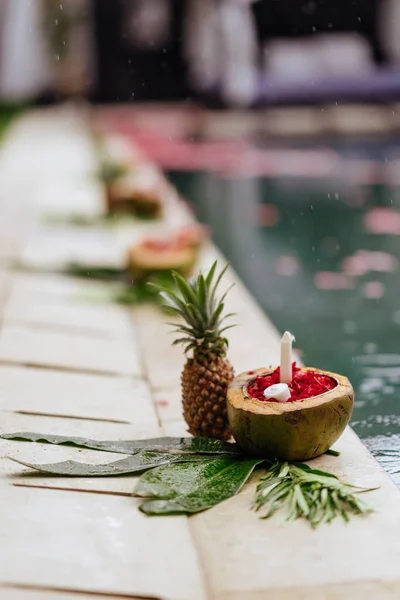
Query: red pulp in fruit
[[304, 384]]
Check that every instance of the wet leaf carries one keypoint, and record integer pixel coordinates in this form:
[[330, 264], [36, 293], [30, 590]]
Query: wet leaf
[[82, 220], [205, 445], [191, 487], [122, 447], [199, 445], [106, 273], [331, 452], [142, 461]]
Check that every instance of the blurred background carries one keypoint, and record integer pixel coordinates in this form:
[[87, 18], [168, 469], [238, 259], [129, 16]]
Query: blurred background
[[279, 121], [223, 52]]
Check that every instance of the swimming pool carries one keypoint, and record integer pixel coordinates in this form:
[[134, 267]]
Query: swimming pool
[[322, 257]]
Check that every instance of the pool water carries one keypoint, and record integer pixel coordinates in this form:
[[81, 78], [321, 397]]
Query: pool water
[[322, 258]]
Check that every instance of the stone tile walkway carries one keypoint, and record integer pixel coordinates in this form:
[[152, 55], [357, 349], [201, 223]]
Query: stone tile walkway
[[103, 371]]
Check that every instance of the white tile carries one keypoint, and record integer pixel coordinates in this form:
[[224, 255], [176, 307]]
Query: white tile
[[97, 319], [53, 248], [37, 288], [42, 391], [164, 361], [95, 543], [168, 403], [69, 351]]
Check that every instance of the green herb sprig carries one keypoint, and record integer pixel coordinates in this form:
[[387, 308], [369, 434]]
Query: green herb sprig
[[314, 495]]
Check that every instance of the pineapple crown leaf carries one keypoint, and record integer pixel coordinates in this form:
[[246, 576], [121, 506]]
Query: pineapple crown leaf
[[211, 273], [214, 321], [202, 292], [182, 341], [227, 291], [226, 328], [195, 294], [184, 287], [228, 316], [219, 278], [195, 300], [174, 303], [181, 329]]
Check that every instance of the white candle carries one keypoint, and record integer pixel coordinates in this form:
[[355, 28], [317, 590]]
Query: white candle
[[286, 358], [279, 391]]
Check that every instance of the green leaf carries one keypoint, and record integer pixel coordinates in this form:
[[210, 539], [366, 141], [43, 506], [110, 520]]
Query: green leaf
[[182, 341], [198, 318], [311, 471], [82, 220], [226, 293], [174, 303], [301, 501], [219, 278], [94, 272], [205, 445], [179, 327], [226, 328], [122, 447], [215, 317], [198, 445], [331, 452], [189, 487], [315, 495], [188, 295], [202, 295], [210, 274], [142, 461]]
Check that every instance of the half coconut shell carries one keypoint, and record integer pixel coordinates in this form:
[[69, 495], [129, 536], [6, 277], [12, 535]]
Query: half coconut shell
[[293, 431], [145, 260]]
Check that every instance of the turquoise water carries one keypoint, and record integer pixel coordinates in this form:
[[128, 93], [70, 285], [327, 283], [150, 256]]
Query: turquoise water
[[310, 253]]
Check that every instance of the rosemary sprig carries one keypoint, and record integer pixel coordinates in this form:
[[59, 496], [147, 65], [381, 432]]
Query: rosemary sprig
[[315, 495]]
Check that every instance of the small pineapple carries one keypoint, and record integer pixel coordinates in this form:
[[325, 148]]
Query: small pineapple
[[207, 373]]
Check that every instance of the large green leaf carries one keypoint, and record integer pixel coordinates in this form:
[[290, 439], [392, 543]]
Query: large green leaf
[[199, 445], [191, 487], [142, 461], [205, 445]]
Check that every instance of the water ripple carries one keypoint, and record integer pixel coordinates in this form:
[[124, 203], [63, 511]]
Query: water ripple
[[386, 450]]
